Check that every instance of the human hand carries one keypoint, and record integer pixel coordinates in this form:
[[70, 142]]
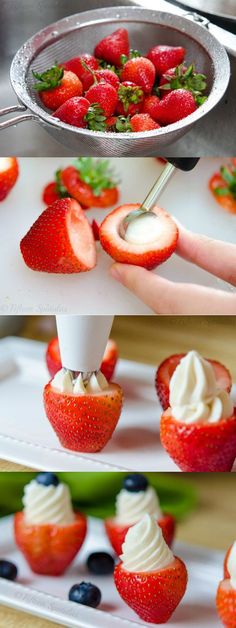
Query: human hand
[[166, 297]]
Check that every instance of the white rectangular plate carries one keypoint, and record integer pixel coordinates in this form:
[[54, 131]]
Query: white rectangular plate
[[47, 596], [23, 291]]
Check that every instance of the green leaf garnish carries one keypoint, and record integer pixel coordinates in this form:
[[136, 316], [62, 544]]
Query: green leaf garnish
[[97, 173], [49, 79]]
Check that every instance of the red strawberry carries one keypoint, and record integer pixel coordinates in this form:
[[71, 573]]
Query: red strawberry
[[166, 57], [150, 106], [222, 186], [226, 571], [57, 85], [9, 172], [73, 111], [200, 447], [105, 96], [153, 595], [168, 76], [226, 604], [113, 46], [83, 422], [143, 122], [50, 193], [53, 358], [77, 65], [140, 71], [148, 255], [175, 106], [95, 228], [167, 368], [109, 77], [48, 548], [60, 240], [83, 192], [130, 99], [117, 533]]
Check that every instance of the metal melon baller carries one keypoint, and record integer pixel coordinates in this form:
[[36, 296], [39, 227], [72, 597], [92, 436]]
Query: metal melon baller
[[181, 163], [82, 342]]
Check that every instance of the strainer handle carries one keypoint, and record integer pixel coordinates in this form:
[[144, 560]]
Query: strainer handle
[[16, 119]]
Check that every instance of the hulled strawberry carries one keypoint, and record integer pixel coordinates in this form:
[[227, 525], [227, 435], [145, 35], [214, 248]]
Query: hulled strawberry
[[95, 228], [104, 95], [145, 245], [82, 66], [111, 48], [149, 578], [200, 447], [141, 122], [9, 172], [60, 240], [57, 85], [130, 99], [136, 499], [50, 535], [140, 71], [167, 368], [166, 57], [53, 358], [226, 603], [178, 104], [91, 182], [83, 421]]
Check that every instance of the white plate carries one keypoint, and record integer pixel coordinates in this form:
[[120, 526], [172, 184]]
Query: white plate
[[26, 436], [47, 596], [23, 291]]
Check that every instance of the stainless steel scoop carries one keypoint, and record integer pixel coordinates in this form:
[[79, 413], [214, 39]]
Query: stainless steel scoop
[[182, 163]]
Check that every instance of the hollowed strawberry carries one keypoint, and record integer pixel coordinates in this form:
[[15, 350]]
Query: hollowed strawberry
[[148, 255], [83, 422], [167, 368], [226, 604], [117, 533]]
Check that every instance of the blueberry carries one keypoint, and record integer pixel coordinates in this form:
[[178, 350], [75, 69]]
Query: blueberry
[[85, 593], [100, 563], [47, 479], [135, 482], [8, 570]]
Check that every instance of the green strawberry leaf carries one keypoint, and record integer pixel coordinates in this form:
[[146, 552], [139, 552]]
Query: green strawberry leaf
[[49, 79], [95, 118], [133, 54], [187, 79], [123, 124], [60, 188], [97, 173]]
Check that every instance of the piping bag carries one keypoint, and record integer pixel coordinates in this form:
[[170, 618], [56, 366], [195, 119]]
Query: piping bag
[[82, 341]]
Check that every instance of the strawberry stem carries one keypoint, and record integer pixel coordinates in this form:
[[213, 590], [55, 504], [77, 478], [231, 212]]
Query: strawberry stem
[[187, 79], [97, 173], [86, 67], [49, 79]]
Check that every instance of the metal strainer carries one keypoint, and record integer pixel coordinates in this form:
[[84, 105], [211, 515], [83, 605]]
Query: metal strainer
[[79, 33]]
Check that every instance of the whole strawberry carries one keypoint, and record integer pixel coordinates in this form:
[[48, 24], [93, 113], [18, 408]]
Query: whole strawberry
[[150, 106], [108, 76], [140, 71], [113, 46], [78, 66], [73, 111], [166, 57], [143, 122], [130, 99], [57, 85], [105, 96], [175, 106]]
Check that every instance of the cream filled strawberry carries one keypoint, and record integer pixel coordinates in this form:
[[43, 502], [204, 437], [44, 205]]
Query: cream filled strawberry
[[148, 241], [83, 412], [136, 499], [199, 428], [48, 532], [226, 593], [149, 578]]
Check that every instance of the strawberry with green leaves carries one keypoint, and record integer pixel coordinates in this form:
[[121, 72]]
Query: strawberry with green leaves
[[111, 47], [140, 71], [178, 104], [91, 182], [79, 112], [182, 77], [56, 86], [130, 99], [82, 66], [54, 190], [104, 95], [222, 184]]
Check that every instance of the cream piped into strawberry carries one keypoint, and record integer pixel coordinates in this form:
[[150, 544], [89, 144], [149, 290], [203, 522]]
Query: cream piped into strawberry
[[199, 428], [226, 593], [149, 578], [136, 499]]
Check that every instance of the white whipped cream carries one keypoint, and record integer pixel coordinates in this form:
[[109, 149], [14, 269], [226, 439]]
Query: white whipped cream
[[47, 504], [194, 394], [231, 565], [64, 382], [144, 229], [131, 507], [145, 549]]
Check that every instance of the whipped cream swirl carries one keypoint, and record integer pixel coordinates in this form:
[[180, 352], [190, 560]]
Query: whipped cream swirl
[[47, 504], [64, 382], [145, 549], [194, 394], [231, 565], [131, 507]]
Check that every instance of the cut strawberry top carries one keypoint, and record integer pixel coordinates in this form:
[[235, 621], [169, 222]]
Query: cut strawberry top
[[148, 255]]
